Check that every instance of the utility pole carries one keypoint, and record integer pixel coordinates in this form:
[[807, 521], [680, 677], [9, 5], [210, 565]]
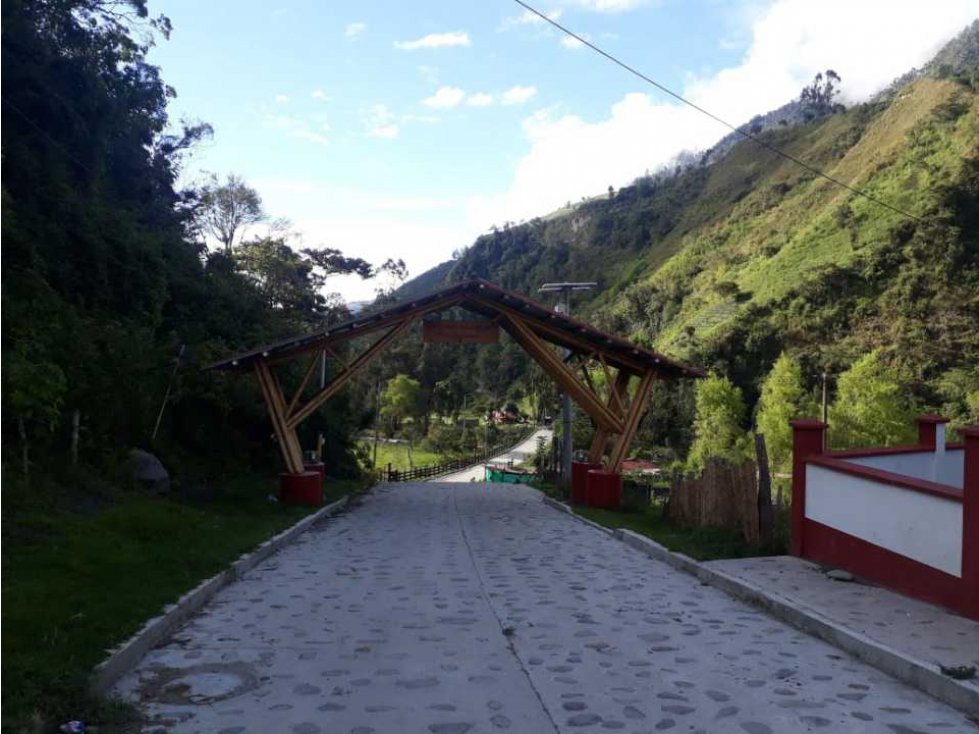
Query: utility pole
[[565, 307]]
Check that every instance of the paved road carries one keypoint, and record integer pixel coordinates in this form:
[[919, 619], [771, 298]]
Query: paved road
[[518, 454], [452, 608]]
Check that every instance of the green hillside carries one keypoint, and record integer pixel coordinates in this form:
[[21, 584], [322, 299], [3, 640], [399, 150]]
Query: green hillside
[[729, 263]]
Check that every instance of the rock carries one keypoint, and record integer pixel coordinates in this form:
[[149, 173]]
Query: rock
[[838, 574], [149, 472]]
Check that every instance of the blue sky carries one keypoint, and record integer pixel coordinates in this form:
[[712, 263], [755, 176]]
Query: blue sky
[[406, 129]]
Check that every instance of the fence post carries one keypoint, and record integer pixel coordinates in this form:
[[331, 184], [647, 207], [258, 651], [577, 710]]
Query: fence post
[[970, 519], [807, 441]]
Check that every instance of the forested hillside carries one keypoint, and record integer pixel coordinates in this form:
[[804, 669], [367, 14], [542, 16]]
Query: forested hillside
[[730, 261], [106, 278]]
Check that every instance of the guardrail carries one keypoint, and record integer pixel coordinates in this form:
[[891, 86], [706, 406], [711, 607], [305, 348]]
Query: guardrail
[[428, 472]]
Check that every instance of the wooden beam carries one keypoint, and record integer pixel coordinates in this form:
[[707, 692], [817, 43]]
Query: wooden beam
[[562, 374], [615, 395], [598, 444], [616, 388], [286, 435], [558, 336], [302, 385], [359, 331], [356, 367], [636, 410]]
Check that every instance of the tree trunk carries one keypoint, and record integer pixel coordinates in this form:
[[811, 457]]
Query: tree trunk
[[76, 419], [25, 447], [766, 518]]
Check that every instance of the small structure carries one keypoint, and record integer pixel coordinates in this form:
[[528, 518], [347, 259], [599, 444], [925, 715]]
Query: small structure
[[629, 369], [905, 517]]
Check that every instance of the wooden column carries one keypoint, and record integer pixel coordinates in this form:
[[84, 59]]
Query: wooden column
[[355, 368], [562, 374], [617, 389], [286, 434], [631, 423]]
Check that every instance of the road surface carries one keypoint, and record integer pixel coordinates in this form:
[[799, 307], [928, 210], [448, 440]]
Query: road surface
[[522, 452], [454, 608]]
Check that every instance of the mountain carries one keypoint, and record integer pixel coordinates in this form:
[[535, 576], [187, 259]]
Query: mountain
[[738, 254]]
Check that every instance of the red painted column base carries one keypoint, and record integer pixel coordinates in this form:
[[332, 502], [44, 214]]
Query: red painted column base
[[579, 481], [301, 489], [603, 489]]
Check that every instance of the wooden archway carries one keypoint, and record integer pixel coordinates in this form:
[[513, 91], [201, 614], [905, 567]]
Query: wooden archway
[[616, 411]]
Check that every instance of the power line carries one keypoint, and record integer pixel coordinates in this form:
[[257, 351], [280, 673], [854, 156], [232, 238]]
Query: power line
[[45, 133], [740, 131]]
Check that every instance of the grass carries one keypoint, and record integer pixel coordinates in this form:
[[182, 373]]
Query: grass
[[396, 454], [705, 544], [75, 584]]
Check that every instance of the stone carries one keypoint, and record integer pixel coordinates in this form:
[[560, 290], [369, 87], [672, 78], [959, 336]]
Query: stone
[[838, 574], [148, 472]]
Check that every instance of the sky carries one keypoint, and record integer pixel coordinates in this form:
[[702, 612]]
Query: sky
[[405, 130]]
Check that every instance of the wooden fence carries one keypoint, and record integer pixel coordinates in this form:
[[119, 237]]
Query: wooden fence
[[435, 470], [725, 495]]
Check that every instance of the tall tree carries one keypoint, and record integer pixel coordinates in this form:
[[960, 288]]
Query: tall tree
[[227, 209], [783, 397], [401, 399], [718, 430], [872, 406]]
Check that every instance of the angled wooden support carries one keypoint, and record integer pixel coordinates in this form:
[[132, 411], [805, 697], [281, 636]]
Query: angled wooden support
[[617, 388], [562, 374], [355, 368], [563, 336], [302, 385], [286, 435], [635, 414]]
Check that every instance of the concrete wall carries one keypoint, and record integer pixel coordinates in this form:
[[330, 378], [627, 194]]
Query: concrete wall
[[944, 467], [917, 525]]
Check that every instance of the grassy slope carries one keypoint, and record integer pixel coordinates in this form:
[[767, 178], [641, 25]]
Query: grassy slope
[[75, 584], [770, 245], [757, 222]]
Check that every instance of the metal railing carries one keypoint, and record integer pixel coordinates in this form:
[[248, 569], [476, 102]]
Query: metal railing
[[428, 472]]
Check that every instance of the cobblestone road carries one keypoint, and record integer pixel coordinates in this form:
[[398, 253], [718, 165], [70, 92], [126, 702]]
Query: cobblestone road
[[453, 608]]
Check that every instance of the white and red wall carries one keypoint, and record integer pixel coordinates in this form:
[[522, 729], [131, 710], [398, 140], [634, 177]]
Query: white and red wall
[[904, 517]]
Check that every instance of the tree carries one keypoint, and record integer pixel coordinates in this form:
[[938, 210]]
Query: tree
[[401, 399], [783, 397], [718, 422], [817, 99], [226, 209], [292, 281], [871, 406]]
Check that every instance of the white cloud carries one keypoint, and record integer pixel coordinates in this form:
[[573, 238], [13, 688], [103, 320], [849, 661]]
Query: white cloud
[[385, 131], [529, 18], [435, 40], [479, 99], [321, 95], [573, 43], [381, 122], [300, 129], [281, 98], [518, 95], [445, 98], [570, 157], [609, 6], [352, 30]]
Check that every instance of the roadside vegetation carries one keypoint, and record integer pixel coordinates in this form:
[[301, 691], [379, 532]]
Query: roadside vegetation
[[77, 582]]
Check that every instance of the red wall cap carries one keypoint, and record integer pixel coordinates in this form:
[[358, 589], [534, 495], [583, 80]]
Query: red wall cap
[[808, 424], [970, 431], [931, 418]]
